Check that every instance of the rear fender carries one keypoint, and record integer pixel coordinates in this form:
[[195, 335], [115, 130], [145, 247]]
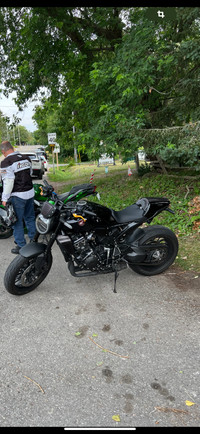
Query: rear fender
[[32, 249], [134, 236], [135, 253], [157, 205]]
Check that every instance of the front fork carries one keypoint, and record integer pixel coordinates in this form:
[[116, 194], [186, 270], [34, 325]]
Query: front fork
[[36, 236], [52, 239]]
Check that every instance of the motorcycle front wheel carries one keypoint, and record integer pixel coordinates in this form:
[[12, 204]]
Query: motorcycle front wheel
[[23, 274], [5, 231], [161, 250]]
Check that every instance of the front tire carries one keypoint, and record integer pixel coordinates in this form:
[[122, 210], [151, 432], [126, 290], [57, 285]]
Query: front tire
[[163, 251], [23, 274], [5, 231]]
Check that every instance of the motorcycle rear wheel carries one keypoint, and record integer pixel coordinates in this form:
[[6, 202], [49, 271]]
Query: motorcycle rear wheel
[[159, 259], [22, 277]]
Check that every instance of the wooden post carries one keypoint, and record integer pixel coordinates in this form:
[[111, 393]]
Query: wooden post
[[137, 162], [52, 149]]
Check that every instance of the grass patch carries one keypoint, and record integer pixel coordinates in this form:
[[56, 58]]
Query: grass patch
[[188, 257], [84, 170], [119, 190]]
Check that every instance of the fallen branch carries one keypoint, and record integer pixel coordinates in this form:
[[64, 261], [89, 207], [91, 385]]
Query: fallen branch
[[104, 349], [42, 390], [188, 190], [173, 410]]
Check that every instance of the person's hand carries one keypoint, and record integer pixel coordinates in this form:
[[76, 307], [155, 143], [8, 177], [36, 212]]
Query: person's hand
[[3, 203]]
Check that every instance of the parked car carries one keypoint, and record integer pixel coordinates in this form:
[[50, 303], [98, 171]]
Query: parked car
[[43, 155], [44, 159], [42, 152], [37, 164]]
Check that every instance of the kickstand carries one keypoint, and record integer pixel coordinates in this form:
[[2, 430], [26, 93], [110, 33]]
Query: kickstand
[[116, 276]]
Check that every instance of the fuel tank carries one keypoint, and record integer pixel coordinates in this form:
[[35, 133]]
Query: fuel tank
[[103, 213], [90, 215]]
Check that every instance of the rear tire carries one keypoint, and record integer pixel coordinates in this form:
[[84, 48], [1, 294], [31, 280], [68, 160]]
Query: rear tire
[[162, 256], [41, 173], [22, 277]]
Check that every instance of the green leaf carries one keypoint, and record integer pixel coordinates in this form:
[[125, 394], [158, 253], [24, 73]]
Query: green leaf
[[103, 107], [120, 77], [99, 363]]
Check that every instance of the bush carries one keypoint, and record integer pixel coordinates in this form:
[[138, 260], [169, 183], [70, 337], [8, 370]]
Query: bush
[[70, 161], [144, 168]]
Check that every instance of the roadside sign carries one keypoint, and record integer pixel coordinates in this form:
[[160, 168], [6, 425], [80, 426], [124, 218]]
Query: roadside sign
[[106, 159], [51, 138], [56, 148]]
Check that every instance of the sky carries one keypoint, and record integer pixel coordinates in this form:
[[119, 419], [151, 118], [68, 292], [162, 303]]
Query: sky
[[8, 108]]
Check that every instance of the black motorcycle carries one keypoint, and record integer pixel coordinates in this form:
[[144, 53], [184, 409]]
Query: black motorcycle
[[94, 240]]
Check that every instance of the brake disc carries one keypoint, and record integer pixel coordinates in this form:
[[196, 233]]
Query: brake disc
[[25, 277]]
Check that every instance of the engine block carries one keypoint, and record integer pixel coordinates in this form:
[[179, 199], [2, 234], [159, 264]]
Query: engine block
[[89, 255]]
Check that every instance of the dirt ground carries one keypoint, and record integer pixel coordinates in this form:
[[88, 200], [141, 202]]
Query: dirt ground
[[184, 280]]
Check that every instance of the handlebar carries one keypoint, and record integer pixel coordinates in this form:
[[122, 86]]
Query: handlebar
[[49, 189], [46, 183], [90, 213]]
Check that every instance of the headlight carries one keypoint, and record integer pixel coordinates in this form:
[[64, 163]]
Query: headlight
[[43, 225]]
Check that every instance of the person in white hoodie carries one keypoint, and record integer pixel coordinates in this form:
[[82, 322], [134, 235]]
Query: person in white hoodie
[[16, 172]]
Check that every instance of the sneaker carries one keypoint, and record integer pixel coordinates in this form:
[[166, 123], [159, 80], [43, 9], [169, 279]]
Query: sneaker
[[16, 250]]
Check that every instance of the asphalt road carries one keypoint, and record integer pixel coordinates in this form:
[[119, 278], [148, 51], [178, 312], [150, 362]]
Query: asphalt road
[[55, 372]]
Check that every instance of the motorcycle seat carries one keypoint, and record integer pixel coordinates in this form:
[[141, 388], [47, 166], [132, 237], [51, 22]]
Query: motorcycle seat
[[63, 196], [132, 213]]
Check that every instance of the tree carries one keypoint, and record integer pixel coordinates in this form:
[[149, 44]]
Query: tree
[[41, 44], [55, 47], [52, 117], [151, 80], [119, 75], [3, 126]]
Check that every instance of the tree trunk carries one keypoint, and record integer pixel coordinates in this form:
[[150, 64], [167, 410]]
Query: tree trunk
[[137, 162], [161, 164]]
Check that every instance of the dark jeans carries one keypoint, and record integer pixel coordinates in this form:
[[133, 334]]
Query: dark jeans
[[25, 213]]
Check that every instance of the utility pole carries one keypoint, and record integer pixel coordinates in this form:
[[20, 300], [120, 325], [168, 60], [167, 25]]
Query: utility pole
[[19, 136], [8, 135], [14, 134], [74, 131]]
